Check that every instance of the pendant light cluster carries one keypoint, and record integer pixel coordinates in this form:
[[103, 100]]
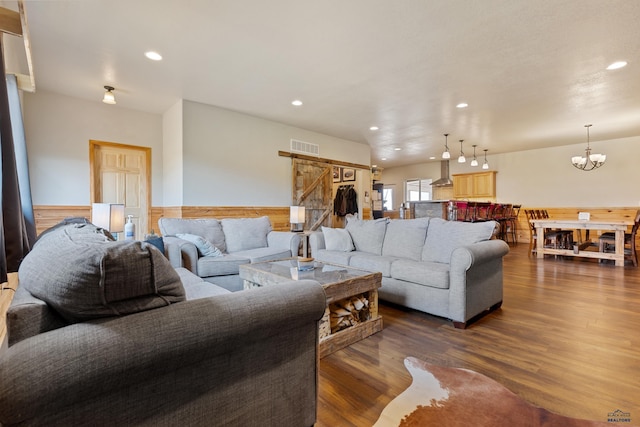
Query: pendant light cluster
[[462, 159]]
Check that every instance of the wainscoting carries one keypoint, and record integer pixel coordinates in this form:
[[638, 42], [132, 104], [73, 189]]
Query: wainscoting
[[48, 216]]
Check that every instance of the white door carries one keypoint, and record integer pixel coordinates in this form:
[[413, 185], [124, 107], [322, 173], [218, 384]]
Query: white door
[[121, 175]]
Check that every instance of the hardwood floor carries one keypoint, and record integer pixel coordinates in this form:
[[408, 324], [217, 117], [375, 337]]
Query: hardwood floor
[[567, 338]]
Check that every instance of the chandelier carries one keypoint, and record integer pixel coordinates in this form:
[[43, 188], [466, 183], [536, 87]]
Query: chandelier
[[590, 161]]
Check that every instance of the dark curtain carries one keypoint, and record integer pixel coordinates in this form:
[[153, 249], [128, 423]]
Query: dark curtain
[[17, 226]]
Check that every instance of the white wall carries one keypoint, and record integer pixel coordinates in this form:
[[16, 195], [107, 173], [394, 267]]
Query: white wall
[[58, 130], [172, 158], [201, 155], [231, 159], [545, 176]]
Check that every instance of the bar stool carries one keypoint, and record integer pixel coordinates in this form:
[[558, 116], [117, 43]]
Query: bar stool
[[512, 224]]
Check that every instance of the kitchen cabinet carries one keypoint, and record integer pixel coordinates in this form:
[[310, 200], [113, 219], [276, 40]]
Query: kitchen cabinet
[[472, 185]]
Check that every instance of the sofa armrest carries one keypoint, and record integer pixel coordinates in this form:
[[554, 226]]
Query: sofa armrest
[[463, 258], [316, 242], [475, 279], [284, 240], [189, 357], [181, 253]]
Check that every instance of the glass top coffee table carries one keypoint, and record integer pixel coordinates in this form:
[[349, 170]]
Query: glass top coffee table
[[352, 298]]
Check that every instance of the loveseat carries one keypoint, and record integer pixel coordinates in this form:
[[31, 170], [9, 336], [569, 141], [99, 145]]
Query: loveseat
[[214, 249], [107, 333], [447, 268]]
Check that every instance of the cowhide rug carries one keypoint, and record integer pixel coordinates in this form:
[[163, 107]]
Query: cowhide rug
[[443, 397]]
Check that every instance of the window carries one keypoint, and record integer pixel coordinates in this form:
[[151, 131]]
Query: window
[[418, 189], [387, 198]]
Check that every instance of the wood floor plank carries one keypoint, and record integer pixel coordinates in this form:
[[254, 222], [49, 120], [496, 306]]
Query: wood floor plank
[[567, 338]]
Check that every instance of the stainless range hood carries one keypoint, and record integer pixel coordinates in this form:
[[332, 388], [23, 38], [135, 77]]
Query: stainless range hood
[[444, 180]]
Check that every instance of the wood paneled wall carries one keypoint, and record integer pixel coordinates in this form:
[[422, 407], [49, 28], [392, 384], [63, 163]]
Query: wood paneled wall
[[48, 216]]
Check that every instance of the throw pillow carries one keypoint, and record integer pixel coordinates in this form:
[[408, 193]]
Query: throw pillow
[[82, 276], [443, 237], [243, 234], [405, 238], [367, 235], [205, 247], [337, 239], [209, 228], [156, 241]]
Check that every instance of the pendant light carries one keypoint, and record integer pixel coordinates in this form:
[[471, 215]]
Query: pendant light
[[474, 162], [109, 97], [461, 159], [590, 161], [485, 165], [446, 154]]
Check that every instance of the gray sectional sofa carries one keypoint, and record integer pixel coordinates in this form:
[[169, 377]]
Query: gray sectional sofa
[[109, 333], [237, 240], [446, 268]]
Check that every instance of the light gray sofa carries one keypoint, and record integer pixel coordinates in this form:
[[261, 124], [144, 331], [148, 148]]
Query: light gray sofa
[[239, 241], [204, 356], [446, 268]]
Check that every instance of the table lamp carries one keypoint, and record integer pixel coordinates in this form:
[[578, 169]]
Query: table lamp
[[109, 216], [297, 218]]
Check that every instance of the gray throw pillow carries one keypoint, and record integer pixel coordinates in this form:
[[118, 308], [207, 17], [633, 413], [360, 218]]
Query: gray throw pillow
[[337, 239], [367, 235], [405, 238], [243, 234], [205, 247], [443, 237], [82, 276]]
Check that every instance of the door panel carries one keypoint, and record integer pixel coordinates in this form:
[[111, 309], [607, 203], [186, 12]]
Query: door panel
[[120, 174], [312, 187]]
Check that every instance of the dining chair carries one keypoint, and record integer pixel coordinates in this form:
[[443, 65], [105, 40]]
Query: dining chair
[[552, 238], [607, 241]]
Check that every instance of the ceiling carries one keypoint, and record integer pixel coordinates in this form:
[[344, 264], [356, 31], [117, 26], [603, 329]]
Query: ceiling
[[533, 72]]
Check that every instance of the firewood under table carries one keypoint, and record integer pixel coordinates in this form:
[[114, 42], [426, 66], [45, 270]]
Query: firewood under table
[[352, 298]]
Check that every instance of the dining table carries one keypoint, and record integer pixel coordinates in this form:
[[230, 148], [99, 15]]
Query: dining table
[[620, 227]]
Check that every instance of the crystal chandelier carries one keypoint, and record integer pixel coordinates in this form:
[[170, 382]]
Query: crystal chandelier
[[590, 161]]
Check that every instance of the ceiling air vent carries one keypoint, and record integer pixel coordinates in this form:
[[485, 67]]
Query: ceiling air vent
[[305, 147]]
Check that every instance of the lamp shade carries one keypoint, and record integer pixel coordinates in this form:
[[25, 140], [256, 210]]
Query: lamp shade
[[297, 215], [109, 97], [109, 216]]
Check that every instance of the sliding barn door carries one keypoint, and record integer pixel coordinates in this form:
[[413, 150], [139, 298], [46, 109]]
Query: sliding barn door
[[312, 188]]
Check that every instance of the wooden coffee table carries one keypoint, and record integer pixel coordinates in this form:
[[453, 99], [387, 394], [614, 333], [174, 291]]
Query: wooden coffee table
[[352, 298]]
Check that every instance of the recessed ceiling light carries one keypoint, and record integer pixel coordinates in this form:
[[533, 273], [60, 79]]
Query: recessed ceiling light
[[397, 148], [462, 105], [384, 158], [374, 166], [374, 128], [154, 56], [616, 65], [296, 102], [432, 158]]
